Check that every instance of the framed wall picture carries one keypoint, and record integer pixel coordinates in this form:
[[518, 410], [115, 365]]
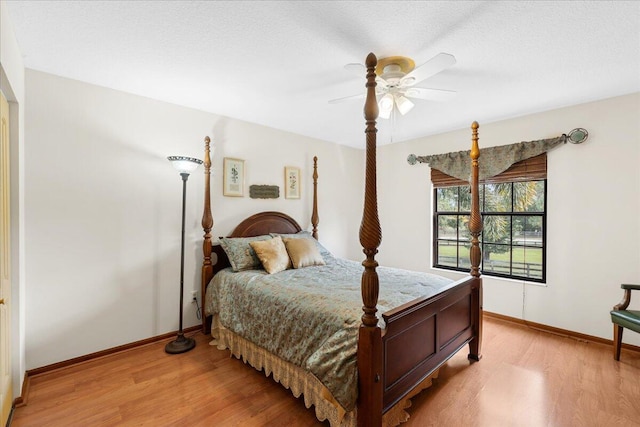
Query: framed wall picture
[[291, 182], [233, 178]]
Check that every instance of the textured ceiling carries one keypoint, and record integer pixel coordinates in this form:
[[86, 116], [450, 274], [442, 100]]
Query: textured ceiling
[[278, 63]]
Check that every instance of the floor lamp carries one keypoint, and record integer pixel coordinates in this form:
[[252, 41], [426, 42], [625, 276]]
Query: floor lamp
[[184, 165]]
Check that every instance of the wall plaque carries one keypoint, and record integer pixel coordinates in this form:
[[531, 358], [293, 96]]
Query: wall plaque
[[264, 191]]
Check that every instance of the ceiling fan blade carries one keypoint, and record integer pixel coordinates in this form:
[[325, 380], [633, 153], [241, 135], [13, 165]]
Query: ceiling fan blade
[[430, 94], [433, 66], [347, 98], [356, 69]]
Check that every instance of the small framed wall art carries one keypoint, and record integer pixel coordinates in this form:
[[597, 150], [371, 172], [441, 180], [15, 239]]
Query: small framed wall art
[[291, 182], [233, 179]]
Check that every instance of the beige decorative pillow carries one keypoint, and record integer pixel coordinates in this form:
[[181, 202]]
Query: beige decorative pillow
[[303, 252], [272, 254], [326, 255]]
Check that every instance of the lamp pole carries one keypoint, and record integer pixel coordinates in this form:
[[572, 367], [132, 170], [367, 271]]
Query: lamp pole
[[184, 165]]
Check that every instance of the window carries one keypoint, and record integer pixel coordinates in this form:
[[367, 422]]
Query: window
[[514, 227]]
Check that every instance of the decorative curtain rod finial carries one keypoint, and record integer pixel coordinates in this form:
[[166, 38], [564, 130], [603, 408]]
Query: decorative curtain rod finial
[[576, 136]]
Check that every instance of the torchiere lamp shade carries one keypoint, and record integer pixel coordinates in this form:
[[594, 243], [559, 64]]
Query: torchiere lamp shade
[[184, 164]]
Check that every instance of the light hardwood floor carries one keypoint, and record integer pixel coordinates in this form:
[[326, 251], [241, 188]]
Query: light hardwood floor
[[526, 378]]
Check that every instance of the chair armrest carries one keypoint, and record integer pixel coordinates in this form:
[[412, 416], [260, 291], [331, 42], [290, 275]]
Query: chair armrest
[[626, 300]]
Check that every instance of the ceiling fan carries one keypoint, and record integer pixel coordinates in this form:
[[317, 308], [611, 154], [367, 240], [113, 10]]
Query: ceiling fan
[[397, 77]]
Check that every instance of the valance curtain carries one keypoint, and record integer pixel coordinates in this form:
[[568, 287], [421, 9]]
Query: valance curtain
[[520, 161], [532, 169]]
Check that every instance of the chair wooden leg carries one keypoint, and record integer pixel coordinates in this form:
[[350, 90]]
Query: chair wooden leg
[[617, 340]]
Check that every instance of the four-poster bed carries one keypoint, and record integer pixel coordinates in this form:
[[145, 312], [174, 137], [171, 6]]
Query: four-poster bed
[[395, 357]]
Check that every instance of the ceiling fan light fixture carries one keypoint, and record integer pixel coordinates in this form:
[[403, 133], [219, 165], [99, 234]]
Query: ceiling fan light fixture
[[385, 106], [404, 105]]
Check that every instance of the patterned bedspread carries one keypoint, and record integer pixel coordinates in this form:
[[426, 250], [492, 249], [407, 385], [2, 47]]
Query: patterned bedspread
[[310, 316]]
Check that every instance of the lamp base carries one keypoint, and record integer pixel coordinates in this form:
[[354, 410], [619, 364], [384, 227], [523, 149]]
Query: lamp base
[[181, 344]]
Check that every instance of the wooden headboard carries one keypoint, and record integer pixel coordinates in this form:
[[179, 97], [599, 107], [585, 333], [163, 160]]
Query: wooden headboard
[[265, 223]]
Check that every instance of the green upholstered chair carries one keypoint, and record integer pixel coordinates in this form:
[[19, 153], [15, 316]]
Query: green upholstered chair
[[623, 318]]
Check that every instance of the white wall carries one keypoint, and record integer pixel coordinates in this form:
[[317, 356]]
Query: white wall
[[593, 204], [104, 209], [13, 86], [266, 152]]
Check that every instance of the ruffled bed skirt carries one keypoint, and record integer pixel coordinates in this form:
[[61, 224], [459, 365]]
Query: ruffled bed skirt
[[302, 382]]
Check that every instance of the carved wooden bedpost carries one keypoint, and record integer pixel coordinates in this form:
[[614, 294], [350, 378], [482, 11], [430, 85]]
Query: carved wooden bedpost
[[370, 339], [314, 215], [207, 225], [475, 228], [475, 222]]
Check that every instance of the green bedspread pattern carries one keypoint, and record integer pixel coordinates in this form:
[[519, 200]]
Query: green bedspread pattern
[[310, 316]]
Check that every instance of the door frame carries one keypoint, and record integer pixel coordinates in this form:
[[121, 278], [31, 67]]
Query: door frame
[[6, 372]]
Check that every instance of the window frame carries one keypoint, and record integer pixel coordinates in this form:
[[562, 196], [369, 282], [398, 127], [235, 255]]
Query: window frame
[[511, 214]]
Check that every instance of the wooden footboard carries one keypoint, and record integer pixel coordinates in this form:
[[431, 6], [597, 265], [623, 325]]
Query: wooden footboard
[[423, 334]]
